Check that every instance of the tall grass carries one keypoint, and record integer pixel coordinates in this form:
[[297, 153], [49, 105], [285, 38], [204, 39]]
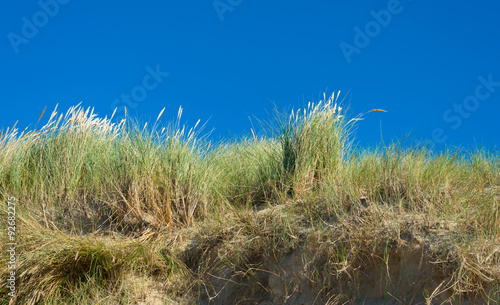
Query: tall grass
[[101, 202], [117, 171], [249, 171]]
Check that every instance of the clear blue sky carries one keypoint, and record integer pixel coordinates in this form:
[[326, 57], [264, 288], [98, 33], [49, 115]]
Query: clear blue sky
[[434, 66]]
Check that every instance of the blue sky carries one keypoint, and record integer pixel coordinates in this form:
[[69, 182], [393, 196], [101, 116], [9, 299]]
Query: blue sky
[[434, 66]]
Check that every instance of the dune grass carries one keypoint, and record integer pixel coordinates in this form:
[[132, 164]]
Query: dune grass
[[150, 214]]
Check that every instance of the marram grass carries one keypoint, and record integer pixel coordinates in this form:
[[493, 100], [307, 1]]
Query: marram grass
[[125, 213]]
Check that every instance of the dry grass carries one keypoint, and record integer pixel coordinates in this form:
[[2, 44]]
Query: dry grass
[[150, 214]]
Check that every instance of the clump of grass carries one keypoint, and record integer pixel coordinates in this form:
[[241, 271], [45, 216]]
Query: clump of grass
[[313, 142], [249, 171], [125, 171], [304, 149], [55, 266], [165, 172]]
